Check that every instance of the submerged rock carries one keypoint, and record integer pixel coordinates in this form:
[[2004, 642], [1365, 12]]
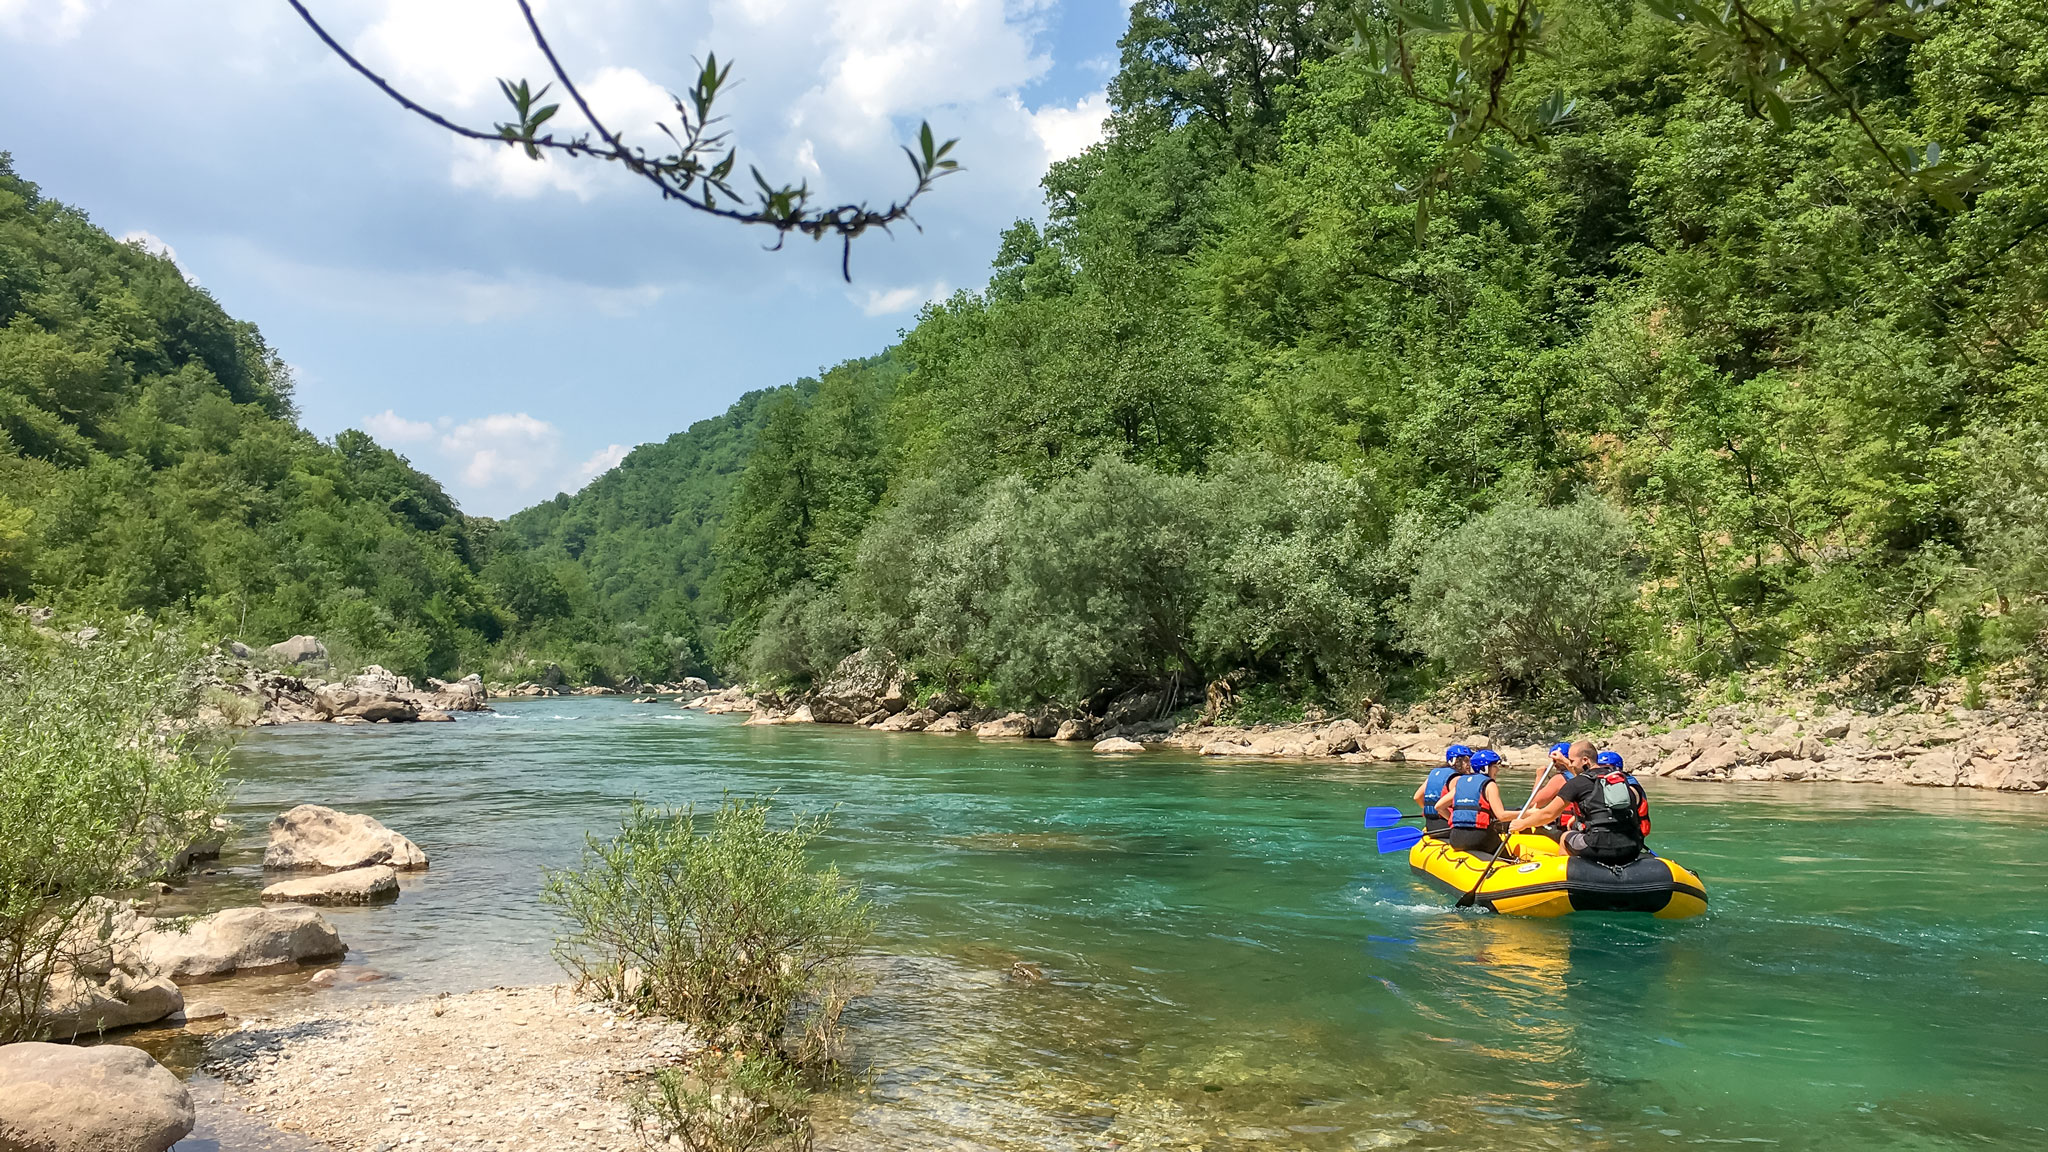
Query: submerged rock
[[314, 837], [1117, 744], [110, 1098]]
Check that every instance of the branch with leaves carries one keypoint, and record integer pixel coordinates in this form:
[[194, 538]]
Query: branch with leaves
[[695, 170]]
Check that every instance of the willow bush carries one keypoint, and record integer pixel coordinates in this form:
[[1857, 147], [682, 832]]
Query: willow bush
[[101, 782], [714, 918]]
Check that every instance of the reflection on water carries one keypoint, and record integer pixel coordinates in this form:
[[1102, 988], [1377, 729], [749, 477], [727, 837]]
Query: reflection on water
[[1226, 962]]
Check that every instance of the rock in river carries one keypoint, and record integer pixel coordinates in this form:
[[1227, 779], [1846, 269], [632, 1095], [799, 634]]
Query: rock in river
[[1118, 744], [110, 1098], [240, 940], [312, 837], [354, 886]]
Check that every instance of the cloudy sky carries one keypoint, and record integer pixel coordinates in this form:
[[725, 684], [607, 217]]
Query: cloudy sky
[[514, 327]]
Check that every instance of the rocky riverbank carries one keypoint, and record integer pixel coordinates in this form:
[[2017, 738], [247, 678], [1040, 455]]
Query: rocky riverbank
[[281, 685], [1937, 743], [507, 1069]]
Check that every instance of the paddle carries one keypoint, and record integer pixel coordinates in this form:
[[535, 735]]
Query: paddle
[[1395, 839], [1472, 897], [1382, 817]]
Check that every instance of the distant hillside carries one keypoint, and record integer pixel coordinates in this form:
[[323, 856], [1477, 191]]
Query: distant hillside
[[150, 460], [644, 534]]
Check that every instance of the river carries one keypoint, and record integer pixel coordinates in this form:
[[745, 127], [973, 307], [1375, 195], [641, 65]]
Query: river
[[1229, 964]]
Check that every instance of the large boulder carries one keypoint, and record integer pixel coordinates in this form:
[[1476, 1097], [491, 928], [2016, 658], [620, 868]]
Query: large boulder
[[109, 1098], [343, 702], [377, 679], [240, 940], [1117, 744], [314, 837], [464, 695], [299, 651], [908, 720], [103, 982], [355, 886], [870, 680], [1014, 726]]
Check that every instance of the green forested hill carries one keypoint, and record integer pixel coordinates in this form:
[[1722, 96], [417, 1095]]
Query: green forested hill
[[1297, 388], [642, 537], [149, 460]]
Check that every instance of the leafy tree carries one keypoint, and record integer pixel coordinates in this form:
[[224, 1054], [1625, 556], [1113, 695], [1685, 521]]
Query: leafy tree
[[1520, 594]]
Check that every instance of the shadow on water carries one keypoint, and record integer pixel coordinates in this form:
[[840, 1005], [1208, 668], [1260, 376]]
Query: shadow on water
[[1226, 962]]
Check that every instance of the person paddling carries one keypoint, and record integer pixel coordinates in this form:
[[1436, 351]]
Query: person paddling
[[1612, 823], [1457, 758], [1561, 763], [1473, 806]]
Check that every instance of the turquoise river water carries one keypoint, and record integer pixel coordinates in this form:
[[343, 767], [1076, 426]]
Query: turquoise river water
[[1231, 966]]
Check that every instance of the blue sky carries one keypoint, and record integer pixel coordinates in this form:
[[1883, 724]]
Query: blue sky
[[513, 327]]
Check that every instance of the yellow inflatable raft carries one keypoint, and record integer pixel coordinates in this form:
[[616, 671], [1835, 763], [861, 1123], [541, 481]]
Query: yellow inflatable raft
[[1542, 881]]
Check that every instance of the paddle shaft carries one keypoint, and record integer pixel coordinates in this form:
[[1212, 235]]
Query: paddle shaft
[[1472, 897]]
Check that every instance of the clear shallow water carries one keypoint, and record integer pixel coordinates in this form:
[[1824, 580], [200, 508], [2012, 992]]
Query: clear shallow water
[[1231, 966]]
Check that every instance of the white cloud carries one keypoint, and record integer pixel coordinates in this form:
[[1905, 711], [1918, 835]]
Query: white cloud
[[391, 428], [603, 460], [436, 297], [153, 244], [889, 301], [48, 21], [503, 450], [501, 461], [1068, 132]]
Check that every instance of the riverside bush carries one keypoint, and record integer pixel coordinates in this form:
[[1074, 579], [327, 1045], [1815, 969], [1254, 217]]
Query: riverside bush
[[1519, 594], [99, 786], [718, 919], [734, 1102]]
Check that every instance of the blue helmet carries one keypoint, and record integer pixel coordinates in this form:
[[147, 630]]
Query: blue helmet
[[1609, 759], [1485, 758], [1561, 748], [1456, 752]]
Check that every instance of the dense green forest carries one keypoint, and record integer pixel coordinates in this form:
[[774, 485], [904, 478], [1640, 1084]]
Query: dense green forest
[[1680, 376], [150, 461], [1645, 356]]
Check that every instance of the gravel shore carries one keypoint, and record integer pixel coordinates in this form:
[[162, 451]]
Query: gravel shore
[[507, 1069]]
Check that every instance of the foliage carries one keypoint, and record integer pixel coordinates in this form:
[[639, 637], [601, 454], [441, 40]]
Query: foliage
[[731, 1102], [99, 785], [1517, 594], [718, 919]]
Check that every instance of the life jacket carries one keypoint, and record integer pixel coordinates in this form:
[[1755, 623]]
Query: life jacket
[[1468, 801], [1433, 787], [1569, 818], [1618, 807]]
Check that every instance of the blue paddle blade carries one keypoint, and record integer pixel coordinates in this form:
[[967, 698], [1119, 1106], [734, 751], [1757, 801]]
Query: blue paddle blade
[[1383, 817], [1395, 839]]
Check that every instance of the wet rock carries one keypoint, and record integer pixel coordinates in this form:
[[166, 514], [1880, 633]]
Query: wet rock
[[950, 722], [314, 837], [434, 716], [1117, 745], [353, 886], [1025, 972], [109, 1098], [239, 940]]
